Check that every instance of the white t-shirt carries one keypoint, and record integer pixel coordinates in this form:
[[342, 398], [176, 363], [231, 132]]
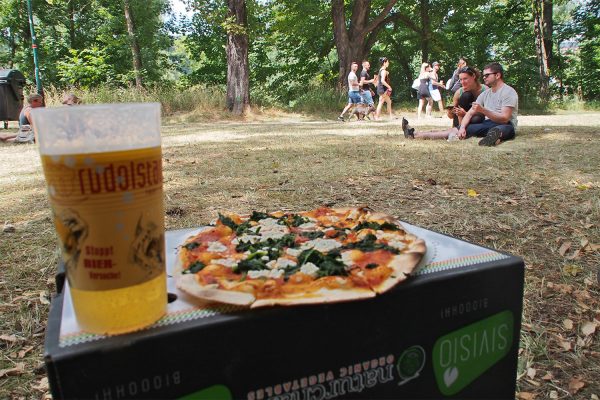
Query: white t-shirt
[[503, 97], [353, 82]]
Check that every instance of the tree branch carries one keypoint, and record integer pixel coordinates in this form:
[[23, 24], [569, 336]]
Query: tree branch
[[380, 19]]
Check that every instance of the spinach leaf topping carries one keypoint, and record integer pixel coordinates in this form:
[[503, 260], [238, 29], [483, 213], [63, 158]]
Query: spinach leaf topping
[[298, 220], [257, 216], [328, 263], [312, 234], [386, 226], [250, 265], [286, 241], [227, 221], [238, 229], [191, 245], [195, 267], [369, 243]]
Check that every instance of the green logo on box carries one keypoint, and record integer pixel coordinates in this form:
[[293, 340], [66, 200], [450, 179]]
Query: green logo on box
[[462, 356], [217, 392]]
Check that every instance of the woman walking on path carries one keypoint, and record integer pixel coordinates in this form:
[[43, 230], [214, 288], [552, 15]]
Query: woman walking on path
[[384, 90], [423, 94]]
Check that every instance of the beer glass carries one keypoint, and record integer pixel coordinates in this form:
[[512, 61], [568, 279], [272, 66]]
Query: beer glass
[[103, 170]]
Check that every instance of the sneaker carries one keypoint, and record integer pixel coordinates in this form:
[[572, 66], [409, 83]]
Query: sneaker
[[492, 138], [340, 118]]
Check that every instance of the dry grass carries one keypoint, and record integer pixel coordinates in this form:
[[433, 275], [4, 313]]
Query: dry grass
[[534, 194]]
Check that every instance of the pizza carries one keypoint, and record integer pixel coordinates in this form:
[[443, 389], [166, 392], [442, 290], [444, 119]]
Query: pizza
[[282, 258]]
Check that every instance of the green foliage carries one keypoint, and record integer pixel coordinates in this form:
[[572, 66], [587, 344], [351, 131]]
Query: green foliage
[[292, 55], [85, 68]]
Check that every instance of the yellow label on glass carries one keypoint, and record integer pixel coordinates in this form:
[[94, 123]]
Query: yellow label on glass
[[109, 215]]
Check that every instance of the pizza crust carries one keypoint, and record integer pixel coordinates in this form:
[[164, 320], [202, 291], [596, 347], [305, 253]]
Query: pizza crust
[[189, 284], [320, 296], [403, 265]]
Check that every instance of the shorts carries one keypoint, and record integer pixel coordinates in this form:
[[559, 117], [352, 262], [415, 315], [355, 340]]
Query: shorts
[[354, 97], [435, 95], [25, 135], [367, 97]]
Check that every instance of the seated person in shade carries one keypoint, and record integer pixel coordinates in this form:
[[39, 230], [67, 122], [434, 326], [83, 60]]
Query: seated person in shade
[[71, 100], [462, 102], [25, 134]]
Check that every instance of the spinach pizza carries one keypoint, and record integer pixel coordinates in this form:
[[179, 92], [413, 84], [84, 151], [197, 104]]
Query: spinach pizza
[[283, 258]]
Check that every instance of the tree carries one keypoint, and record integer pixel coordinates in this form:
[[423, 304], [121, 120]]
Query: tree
[[354, 43], [542, 23], [133, 43], [238, 78]]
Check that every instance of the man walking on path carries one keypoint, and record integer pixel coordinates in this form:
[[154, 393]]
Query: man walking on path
[[499, 105], [353, 90], [366, 84]]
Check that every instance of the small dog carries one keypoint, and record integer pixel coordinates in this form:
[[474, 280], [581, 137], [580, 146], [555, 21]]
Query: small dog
[[362, 111]]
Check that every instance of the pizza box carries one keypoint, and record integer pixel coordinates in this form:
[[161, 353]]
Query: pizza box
[[451, 331]]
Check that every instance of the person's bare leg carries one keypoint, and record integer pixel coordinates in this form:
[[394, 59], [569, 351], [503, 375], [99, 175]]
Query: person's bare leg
[[389, 106], [345, 109], [433, 135], [382, 99], [7, 138], [420, 107], [441, 105], [428, 107]]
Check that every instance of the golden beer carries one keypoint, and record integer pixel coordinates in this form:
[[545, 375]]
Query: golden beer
[[109, 216], [108, 213]]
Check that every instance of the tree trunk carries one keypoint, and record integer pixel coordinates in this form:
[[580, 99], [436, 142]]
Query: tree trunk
[[425, 30], [354, 43], [541, 53], [72, 24], [13, 49], [548, 30], [133, 43], [238, 72]]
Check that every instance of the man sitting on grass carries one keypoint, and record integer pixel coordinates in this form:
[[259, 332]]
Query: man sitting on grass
[[499, 105]]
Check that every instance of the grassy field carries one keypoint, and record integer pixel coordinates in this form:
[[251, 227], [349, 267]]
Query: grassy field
[[537, 197]]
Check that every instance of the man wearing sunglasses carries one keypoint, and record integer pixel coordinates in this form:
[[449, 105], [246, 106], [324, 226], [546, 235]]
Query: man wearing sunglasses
[[499, 105]]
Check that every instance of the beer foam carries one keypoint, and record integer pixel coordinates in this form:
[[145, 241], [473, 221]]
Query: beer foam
[[97, 128]]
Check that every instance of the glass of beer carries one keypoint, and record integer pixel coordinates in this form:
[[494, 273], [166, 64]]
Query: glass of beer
[[103, 170]]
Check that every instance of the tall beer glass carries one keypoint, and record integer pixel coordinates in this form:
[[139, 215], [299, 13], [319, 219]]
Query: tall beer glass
[[103, 170]]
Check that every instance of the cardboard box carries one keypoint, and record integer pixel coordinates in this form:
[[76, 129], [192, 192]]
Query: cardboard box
[[450, 331]]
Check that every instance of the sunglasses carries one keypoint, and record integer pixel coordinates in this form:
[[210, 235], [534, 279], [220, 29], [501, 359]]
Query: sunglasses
[[466, 70], [486, 75]]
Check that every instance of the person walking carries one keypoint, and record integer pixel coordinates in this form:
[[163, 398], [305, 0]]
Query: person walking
[[353, 90], [435, 84], [384, 90], [423, 93], [366, 82]]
